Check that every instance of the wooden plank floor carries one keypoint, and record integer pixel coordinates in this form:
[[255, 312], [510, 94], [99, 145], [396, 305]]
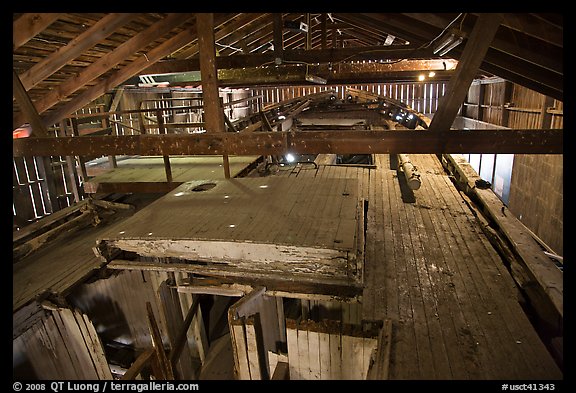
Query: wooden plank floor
[[430, 269], [138, 174], [66, 261]]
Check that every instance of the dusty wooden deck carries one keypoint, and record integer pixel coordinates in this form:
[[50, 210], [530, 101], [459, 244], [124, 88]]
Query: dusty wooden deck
[[269, 228], [147, 174], [431, 270], [428, 268]]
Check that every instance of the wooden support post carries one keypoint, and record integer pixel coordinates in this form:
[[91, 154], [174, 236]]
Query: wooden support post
[[546, 119], [182, 336], [309, 33], [468, 65], [81, 160], [44, 165], [213, 111], [334, 37], [165, 366], [162, 130], [278, 40], [481, 94], [323, 38], [71, 170], [507, 97], [27, 107]]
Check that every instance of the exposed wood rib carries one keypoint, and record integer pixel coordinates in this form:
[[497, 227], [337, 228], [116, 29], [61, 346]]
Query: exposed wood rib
[[107, 62], [29, 25], [101, 29]]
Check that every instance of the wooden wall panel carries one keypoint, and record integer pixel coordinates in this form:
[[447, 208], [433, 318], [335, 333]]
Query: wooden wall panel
[[255, 332], [62, 346], [536, 190], [328, 350], [117, 305], [421, 96], [536, 195]]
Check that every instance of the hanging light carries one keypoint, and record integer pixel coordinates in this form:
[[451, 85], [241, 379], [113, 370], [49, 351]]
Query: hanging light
[[448, 42]]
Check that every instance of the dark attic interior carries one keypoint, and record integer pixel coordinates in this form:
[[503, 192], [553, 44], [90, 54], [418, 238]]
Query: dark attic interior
[[287, 196]]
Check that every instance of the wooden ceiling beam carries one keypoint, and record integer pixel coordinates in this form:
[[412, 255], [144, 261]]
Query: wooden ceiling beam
[[58, 59], [521, 141], [238, 21], [134, 68], [512, 44], [27, 106], [330, 55], [415, 35], [27, 26], [525, 24], [474, 52], [107, 62], [530, 83], [245, 37], [345, 73]]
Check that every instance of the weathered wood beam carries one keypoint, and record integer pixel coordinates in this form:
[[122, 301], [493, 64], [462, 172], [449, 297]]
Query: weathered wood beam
[[547, 84], [528, 141], [181, 338], [406, 71], [165, 367], [278, 41], [126, 72], [299, 55], [213, 114], [474, 52], [526, 23], [213, 110], [238, 22], [28, 26], [58, 59], [25, 103], [107, 62], [523, 50], [139, 364]]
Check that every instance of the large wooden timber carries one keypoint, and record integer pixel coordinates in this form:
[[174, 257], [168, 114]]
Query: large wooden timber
[[528, 141], [147, 174], [258, 229]]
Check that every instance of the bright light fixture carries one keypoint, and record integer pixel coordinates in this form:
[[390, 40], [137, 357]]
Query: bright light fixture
[[290, 157]]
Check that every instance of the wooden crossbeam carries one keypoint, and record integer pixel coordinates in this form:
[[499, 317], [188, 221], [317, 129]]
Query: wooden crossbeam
[[528, 141], [58, 59], [28, 26], [107, 62], [126, 72], [298, 55], [470, 61]]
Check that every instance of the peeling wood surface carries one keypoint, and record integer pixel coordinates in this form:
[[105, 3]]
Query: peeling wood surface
[[268, 226]]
